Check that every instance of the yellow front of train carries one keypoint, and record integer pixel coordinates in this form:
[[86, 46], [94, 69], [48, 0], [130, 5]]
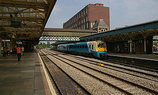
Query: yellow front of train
[[101, 49]]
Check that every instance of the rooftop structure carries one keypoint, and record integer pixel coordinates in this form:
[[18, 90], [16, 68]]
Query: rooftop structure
[[100, 26]]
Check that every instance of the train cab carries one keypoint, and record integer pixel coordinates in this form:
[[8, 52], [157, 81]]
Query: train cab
[[98, 48]]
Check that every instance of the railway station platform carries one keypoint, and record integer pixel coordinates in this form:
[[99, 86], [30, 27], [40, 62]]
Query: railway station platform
[[25, 77], [150, 57], [145, 60]]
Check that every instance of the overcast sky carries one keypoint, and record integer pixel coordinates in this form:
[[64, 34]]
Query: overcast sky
[[122, 12]]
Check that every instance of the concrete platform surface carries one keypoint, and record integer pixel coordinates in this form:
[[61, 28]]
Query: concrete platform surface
[[23, 77], [153, 57]]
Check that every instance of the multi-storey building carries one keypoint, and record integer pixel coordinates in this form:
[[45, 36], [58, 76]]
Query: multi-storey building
[[85, 19]]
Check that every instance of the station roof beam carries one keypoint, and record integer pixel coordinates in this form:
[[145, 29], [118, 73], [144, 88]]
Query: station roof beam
[[24, 17]]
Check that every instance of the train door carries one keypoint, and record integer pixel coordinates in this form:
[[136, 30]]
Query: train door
[[89, 47], [92, 46], [68, 47]]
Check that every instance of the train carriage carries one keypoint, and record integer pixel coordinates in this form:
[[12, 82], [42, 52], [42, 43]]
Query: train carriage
[[96, 48]]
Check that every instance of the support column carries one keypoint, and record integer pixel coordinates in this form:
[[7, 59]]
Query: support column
[[0, 45], [130, 48], [144, 46], [11, 44], [5, 45]]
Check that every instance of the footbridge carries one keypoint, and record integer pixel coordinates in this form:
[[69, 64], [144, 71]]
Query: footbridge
[[56, 34]]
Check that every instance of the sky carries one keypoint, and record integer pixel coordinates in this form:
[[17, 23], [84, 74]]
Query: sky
[[122, 12]]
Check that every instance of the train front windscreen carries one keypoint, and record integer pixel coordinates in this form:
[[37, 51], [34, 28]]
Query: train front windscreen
[[101, 44]]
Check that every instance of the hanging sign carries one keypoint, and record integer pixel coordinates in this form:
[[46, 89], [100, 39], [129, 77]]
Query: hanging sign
[[18, 42], [129, 41]]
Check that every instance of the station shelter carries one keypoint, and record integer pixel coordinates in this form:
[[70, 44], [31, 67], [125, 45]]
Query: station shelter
[[22, 22], [135, 39]]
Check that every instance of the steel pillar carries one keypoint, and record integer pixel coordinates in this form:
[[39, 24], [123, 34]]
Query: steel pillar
[[144, 46], [130, 48]]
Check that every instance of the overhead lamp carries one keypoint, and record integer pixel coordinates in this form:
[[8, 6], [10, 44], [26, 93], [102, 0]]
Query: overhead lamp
[[13, 36], [15, 23]]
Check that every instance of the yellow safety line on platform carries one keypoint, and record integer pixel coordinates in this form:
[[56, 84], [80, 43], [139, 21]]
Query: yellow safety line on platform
[[47, 78]]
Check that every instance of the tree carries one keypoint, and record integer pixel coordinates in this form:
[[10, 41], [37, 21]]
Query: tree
[[48, 44], [42, 45]]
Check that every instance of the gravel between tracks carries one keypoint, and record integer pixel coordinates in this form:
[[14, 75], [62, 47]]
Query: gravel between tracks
[[96, 87], [147, 83], [91, 84]]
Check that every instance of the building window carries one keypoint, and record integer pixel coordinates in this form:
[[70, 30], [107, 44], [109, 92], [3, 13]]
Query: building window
[[86, 11], [91, 24], [81, 14], [86, 18], [87, 25]]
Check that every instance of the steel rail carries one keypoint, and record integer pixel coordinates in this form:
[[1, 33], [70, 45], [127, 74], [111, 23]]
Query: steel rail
[[156, 76], [148, 89], [97, 78], [144, 67], [85, 91]]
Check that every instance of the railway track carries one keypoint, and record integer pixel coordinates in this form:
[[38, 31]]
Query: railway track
[[124, 69], [64, 83], [135, 63], [122, 85]]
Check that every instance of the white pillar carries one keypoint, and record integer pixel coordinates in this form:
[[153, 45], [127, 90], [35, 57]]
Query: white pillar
[[130, 46]]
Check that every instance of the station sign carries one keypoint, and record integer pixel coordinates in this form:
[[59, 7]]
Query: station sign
[[18, 42], [5, 40], [129, 41]]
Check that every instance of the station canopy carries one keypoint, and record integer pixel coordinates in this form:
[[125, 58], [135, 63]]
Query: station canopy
[[133, 32], [24, 20]]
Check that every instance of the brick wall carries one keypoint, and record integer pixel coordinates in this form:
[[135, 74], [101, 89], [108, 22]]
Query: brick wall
[[98, 12], [95, 12]]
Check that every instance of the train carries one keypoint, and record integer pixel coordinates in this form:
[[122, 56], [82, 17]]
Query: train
[[96, 49]]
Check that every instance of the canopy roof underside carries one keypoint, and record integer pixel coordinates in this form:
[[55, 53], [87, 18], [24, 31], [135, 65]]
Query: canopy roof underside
[[24, 19]]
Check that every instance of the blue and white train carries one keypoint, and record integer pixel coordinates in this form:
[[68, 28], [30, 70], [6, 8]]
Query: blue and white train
[[95, 48]]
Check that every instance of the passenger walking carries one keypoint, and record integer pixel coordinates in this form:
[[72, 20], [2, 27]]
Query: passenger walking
[[18, 52], [22, 50], [7, 51], [15, 51]]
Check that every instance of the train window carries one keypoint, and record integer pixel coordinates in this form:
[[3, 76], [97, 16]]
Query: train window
[[101, 44], [92, 47], [82, 46], [85, 46]]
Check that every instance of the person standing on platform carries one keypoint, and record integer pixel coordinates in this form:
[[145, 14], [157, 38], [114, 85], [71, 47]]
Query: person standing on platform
[[14, 50], [18, 49], [4, 53], [22, 50]]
